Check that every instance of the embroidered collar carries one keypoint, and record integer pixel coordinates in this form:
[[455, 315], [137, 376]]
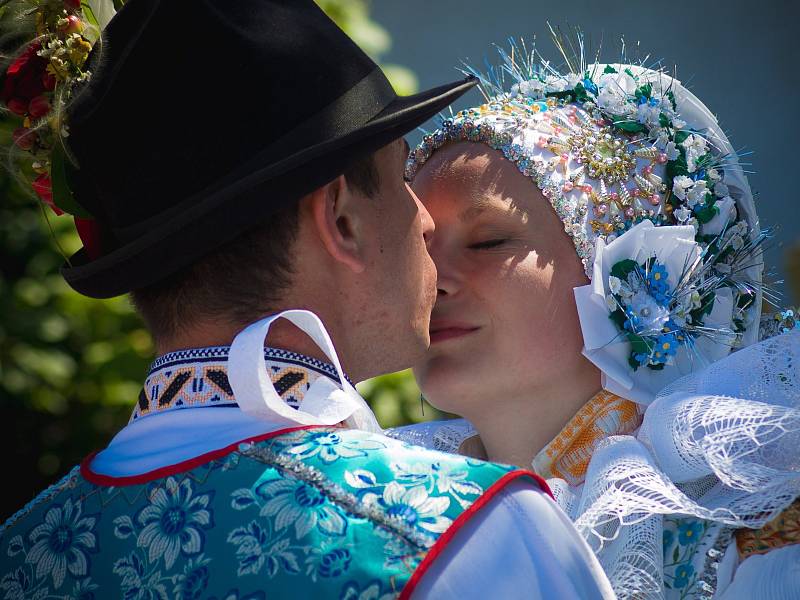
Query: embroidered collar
[[198, 377], [567, 456]]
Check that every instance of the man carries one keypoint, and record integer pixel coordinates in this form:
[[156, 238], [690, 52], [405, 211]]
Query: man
[[244, 159]]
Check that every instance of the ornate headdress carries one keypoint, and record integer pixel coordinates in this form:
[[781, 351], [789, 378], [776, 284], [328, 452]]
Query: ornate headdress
[[651, 193]]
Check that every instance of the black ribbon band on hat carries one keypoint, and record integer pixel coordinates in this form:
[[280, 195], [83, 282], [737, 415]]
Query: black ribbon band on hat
[[348, 112]]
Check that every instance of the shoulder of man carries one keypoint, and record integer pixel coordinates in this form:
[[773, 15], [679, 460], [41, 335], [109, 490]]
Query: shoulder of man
[[312, 510]]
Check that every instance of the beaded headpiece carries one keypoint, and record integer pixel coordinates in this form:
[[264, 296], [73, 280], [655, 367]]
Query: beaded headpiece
[[652, 195]]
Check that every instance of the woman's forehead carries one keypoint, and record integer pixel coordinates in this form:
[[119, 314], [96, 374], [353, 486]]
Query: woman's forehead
[[476, 178]]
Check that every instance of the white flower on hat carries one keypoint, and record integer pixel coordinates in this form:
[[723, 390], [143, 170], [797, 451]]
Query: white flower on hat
[[671, 150], [695, 146], [682, 214], [648, 114], [697, 193], [680, 185], [532, 88], [726, 212], [609, 348]]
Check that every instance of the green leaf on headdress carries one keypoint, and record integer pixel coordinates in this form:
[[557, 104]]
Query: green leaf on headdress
[[610, 69], [705, 308], [566, 95], [633, 362], [619, 318], [644, 91], [629, 126], [664, 121], [62, 196], [630, 73], [671, 97], [705, 214], [580, 93], [638, 344], [623, 268], [680, 137], [745, 300]]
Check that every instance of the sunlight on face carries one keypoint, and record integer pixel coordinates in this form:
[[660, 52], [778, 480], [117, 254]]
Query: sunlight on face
[[505, 320]]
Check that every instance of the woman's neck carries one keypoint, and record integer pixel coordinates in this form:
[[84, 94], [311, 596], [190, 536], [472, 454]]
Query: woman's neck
[[516, 429]]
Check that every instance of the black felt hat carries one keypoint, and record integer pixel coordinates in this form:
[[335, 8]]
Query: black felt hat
[[203, 118]]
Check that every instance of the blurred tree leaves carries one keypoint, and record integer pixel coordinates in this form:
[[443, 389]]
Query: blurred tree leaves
[[71, 367]]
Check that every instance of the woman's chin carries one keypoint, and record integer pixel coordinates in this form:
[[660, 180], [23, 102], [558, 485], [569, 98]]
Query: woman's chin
[[449, 384]]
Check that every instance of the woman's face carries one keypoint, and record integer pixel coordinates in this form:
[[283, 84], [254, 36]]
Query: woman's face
[[505, 321]]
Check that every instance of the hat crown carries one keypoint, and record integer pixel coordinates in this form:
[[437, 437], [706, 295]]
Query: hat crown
[[184, 93]]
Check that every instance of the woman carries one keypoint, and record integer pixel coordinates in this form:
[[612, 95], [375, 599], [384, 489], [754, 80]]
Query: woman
[[611, 372]]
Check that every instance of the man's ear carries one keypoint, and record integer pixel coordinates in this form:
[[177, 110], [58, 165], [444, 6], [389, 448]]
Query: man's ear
[[336, 213]]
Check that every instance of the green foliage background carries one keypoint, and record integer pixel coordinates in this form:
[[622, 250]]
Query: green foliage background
[[71, 367]]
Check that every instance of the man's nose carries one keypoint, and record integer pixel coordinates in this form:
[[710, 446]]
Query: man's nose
[[428, 226]]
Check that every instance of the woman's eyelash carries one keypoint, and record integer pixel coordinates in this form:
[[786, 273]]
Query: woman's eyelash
[[487, 244]]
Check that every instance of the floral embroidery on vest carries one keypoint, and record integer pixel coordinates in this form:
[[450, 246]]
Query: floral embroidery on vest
[[317, 512]]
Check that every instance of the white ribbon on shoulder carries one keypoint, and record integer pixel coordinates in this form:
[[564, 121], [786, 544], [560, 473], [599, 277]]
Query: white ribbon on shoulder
[[324, 403]]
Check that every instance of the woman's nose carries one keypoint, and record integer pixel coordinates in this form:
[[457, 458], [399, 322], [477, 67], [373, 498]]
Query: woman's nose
[[449, 275]]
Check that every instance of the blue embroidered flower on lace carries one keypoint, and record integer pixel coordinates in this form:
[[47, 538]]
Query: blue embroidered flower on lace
[[293, 502], [372, 590], [668, 538], [174, 521], [689, 532], [329, 447], [682, 575], [61, 544], [256, 547]]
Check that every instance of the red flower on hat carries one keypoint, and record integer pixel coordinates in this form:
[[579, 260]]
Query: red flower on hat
[[89, 232], [44, 189], [24, 80]]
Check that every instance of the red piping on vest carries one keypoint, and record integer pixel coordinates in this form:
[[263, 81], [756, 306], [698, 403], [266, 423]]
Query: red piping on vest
[[444, 539]]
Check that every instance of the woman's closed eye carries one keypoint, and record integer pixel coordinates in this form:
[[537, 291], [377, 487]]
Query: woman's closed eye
[[487, 244]]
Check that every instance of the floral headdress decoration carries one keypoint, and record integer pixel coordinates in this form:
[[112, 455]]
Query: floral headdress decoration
[[36, 88], [651, 193]]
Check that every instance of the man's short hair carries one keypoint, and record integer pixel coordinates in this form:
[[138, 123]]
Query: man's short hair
[[242, 280]]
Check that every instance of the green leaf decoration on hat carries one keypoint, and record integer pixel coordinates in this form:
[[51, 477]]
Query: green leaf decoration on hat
[[62, 196]]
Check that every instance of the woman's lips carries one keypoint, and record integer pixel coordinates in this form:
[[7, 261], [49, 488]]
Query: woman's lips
[[446, 331]]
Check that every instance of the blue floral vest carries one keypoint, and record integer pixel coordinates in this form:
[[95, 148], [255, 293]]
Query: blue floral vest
[[317, 512]]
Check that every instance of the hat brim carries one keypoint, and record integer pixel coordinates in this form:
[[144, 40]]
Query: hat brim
[[219, 215]]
